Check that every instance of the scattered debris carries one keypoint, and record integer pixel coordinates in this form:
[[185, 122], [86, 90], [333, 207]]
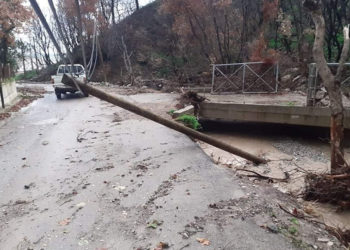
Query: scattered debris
[[191, 97], [64, 222], [104, 168], [272, 228], [154, 224], [203, 241], [20, 202], [343, 236], [162, 245], [29, 186], [120, 188], [270, 179], [83, 242], [81, 205], [328, 188], [80, 137]]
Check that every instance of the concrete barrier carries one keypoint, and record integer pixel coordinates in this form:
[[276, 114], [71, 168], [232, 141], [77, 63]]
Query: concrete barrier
[[9, 90], [305, 116]]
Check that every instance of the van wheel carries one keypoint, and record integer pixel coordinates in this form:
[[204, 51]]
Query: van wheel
[[58, 95]]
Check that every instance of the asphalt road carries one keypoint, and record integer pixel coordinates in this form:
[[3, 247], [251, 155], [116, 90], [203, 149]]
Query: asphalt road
[[82, 174]]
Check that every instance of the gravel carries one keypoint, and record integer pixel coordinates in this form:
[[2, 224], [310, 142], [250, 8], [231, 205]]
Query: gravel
[[300, 151]]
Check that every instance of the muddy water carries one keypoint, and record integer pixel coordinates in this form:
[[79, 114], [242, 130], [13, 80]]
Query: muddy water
[[290, 149]]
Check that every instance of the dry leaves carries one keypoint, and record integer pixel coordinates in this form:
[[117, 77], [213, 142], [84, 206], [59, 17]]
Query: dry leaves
[[65, 222], [203, 241], [162, 245]]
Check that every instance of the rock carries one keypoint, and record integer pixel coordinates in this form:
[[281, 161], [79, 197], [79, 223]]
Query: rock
[[81, 205], [120, 188], [320, 95], [138, 80], [286, 78], [324, 240], [325, 102], [272, 228], [44, 143]]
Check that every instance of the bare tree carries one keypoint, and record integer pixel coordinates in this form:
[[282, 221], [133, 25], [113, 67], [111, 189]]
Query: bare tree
[[22, 47], [332, 83], [80, 30], [62, 35], [43, 42], [127, 62]]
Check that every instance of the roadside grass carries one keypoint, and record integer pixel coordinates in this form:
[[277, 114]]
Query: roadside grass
[[26, 76]]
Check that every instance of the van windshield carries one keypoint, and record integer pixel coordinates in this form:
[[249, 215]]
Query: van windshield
[[71, 69]]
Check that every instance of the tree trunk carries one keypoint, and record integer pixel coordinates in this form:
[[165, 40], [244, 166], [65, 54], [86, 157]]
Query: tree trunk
[[24, 64], [23, 59], [137, 4], [332, 83], [31, 59], [101, 59], [36, 56], [337, 129], [60, 32], [113, 12]]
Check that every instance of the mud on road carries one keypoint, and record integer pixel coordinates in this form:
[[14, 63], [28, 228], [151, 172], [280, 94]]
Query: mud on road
[[83, 174]]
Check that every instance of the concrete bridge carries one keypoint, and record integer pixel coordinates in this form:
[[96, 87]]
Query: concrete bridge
[[305, 116]]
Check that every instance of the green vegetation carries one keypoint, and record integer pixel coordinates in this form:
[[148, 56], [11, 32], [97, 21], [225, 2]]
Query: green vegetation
[[294, 221], [290, 104], [190, 121], [7, 81], [171, 112], [293, 230], [26, 76]]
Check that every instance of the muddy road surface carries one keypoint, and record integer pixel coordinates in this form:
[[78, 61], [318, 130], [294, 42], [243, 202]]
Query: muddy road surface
[[80, 173]]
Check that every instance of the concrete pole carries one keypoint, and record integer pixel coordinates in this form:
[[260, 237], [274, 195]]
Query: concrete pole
[[156, 118]]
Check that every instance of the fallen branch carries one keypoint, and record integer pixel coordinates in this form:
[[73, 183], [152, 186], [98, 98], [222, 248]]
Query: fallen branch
[[256, 174], [338, 177], [156, 118], [343, 236]]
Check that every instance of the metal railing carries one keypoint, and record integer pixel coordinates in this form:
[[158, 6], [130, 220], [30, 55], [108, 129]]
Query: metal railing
[[248, 77], [314, 82]]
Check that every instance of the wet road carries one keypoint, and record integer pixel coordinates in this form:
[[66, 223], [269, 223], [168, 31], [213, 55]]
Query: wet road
[[83, 174]]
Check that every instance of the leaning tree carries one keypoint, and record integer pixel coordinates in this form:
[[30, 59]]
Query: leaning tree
[[332, 83]]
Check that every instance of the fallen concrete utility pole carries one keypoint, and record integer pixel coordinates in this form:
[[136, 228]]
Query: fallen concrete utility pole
[[168, 123]]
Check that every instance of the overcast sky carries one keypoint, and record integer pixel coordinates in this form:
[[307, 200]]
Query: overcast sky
[[45, 6]]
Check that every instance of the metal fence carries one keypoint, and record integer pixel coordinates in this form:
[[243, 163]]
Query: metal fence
[[315, 82], [249, 77]]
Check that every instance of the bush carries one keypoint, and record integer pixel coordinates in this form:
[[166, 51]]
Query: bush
[[190, 121]]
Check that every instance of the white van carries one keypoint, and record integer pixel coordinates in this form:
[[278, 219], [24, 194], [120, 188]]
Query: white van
[[78, 72]]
